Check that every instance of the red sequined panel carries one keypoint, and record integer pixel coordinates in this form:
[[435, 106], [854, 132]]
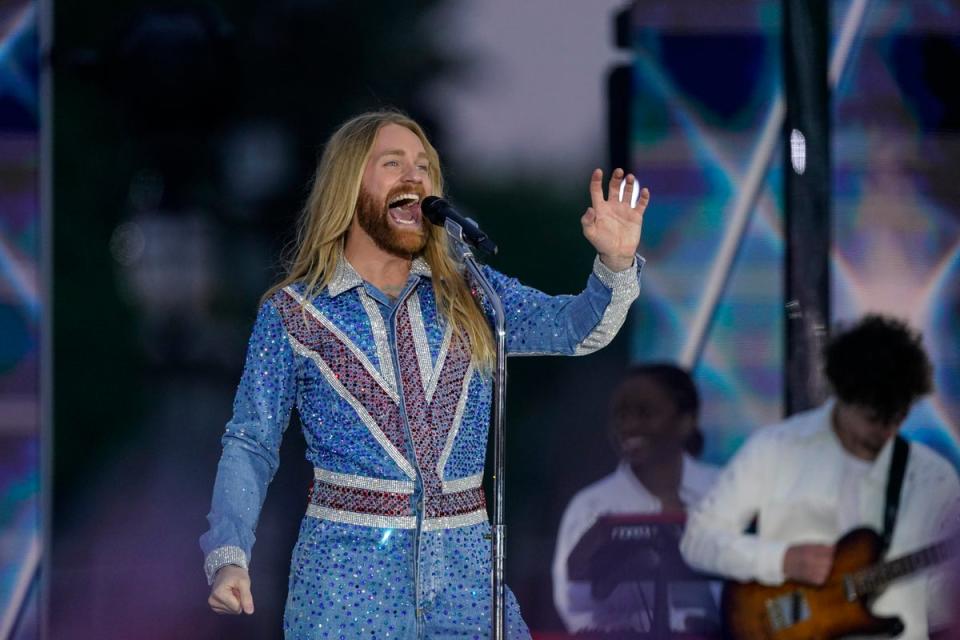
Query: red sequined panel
[[347, 368], [431, 422], [365, 501]]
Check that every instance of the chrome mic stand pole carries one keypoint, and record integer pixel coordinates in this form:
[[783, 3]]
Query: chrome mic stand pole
[[498, 617]]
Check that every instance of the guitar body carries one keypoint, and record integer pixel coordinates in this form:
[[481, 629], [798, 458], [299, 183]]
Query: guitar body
[[793, 611]]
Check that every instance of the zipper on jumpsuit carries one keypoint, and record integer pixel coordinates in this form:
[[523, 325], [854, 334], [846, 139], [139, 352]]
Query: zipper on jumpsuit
[[418, 612]]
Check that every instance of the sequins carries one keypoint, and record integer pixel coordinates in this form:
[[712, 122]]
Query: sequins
[[380, 338], [538, 324], [387, 431], [463, 520], [462, 484], [349, 582], [419, 267], [456, 602], [624, 288], [357, 500], [431, 421], [304, 328], [395, 417], [345, 277], [421, 347], [361, 482], [223, 556], [251, 442], [431, 387], [622, 283], [455, 427], [350, 516], [339, 495]]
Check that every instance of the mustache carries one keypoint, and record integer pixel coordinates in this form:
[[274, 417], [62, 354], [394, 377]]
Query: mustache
[[414, 188]]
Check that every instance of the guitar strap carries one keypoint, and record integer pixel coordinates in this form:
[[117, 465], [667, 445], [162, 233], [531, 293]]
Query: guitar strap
[[898, 464]]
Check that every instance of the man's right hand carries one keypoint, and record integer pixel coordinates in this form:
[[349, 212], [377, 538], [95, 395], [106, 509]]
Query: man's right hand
[[808, 563], [230, 593]]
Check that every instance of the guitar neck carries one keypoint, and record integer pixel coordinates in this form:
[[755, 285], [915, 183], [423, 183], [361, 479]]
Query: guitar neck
[[877, 577]]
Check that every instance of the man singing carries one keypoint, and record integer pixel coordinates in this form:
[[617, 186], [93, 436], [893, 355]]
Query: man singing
[[377, 339]]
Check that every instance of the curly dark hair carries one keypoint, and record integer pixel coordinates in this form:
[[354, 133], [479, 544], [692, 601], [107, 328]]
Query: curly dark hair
[[683, 391], [879, 363]]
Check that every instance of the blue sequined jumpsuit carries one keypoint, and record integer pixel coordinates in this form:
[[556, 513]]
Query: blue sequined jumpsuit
[[395, 418]]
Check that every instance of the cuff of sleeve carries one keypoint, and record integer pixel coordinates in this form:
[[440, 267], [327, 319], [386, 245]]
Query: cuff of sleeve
[[770, 562], [222, 556], [618, 281]]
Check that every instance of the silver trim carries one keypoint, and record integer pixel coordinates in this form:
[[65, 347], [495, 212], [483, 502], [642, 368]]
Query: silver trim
[[342, 337], [618, 281], [420, 344], [420, 267], [454, 522], [455, 427], [221, 557], [431, 388], [380, 338], [345, 277], [362, 519], [396, 522], [462, 484], [362, 413], [624, 289], [362, 482]]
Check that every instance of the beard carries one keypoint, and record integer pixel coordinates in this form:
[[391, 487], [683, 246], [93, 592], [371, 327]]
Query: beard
[[374, 219]]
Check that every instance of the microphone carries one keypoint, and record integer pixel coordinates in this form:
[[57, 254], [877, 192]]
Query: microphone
[[439, 212]]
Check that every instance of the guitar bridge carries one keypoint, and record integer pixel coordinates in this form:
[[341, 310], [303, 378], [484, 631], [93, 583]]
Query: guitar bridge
[[788, 609], [849, 589]]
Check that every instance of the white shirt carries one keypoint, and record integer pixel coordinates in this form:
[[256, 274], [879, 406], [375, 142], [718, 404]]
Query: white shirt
[[791, 476], [618, 493], [852, 476]]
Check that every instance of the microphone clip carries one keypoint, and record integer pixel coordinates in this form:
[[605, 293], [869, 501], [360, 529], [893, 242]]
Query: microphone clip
[[461, 228]]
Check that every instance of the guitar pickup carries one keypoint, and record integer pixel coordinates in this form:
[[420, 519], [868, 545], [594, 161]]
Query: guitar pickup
[[787, 609], [849, 589]]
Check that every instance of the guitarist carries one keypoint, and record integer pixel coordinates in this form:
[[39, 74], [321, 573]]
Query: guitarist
[[808, 480]]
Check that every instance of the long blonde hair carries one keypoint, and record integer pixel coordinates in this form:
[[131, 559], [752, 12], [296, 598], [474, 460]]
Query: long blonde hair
[[330, 208]]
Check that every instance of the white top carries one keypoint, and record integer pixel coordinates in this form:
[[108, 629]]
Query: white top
[[792, 475], [852, 476], [618, 493]]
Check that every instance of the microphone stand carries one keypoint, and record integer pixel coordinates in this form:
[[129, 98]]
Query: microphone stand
[[498, 618]]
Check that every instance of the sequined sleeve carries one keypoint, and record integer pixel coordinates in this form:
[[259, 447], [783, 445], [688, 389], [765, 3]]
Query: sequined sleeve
[[541, 324], [251, 443]]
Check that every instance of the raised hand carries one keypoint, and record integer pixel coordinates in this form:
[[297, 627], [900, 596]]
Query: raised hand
[[613, 226]]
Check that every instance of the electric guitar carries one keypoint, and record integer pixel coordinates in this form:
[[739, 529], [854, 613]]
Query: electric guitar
[[838, 608]]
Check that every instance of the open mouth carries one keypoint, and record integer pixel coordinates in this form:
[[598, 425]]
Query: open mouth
[[404, 209]]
